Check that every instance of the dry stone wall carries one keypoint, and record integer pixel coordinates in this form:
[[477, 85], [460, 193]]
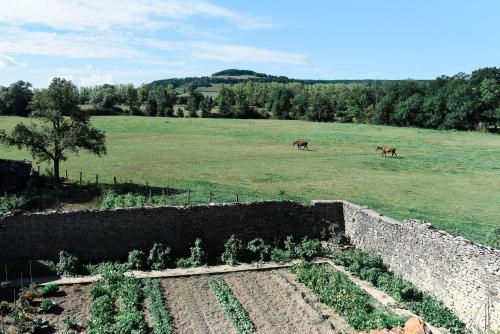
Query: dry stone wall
[[462, 274], [14, 175], [110, 234]]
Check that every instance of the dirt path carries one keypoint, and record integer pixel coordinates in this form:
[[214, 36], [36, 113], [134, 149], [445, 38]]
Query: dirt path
[[194, 307], [275, 306]]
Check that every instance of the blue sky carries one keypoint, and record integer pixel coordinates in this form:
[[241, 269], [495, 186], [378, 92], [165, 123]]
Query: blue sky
[[122, 41]]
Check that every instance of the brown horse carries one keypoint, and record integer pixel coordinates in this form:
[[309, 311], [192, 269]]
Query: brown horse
[[385, 150], [300, 143]]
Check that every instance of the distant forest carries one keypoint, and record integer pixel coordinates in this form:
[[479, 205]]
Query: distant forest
[[463, 101]]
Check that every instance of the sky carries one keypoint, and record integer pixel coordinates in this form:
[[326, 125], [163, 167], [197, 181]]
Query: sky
[[94, 42]]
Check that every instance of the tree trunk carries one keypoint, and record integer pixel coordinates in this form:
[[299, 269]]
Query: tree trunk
[[56, 169]]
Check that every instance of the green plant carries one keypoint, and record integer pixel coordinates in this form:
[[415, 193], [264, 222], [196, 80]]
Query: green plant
[[287, 254], [67, 265], [136, 260], [71, 323], [159, 256], [39, 324], [156, 307], [4, 307], [308, 249], [47, 305], [338, 291], [49, 289], [232, 251], [259, 249], [197, 258], [9, 203], [232, 307]]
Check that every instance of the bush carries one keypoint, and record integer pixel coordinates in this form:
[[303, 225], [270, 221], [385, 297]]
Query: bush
[[159, 256], [67, 265], [136, 260], [197, 258], [286, 255], [308, 249], [232, 251], [4, 307], [49, 289], [259, 249]]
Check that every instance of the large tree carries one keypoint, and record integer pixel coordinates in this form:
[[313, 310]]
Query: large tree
[[60, 126]]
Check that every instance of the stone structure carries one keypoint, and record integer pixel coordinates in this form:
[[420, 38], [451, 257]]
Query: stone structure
[[14, 175], [464, 275]]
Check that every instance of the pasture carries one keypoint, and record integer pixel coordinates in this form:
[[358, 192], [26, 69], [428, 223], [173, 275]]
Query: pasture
[[449, 178]]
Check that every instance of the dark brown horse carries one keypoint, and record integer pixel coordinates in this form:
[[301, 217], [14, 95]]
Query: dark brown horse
[[301, 143], [385, 150]]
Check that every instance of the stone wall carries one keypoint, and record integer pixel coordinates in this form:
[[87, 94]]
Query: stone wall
[[14, 175], [457, 271], [111, 234]]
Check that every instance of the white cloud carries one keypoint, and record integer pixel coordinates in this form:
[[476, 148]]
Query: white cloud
[[94, 79], [227, 52], [6, 61], [109, 14]]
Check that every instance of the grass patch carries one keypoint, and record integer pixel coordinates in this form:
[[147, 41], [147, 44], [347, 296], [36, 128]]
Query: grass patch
[[255, 159]]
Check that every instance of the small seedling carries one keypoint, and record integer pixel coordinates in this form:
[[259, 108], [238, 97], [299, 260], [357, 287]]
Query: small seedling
[[50, 289], [39, 324], [47, 305]]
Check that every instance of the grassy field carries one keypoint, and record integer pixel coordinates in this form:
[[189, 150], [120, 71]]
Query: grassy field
[[451, 179]]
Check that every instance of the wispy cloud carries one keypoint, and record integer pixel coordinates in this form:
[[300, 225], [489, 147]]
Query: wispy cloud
[[107, 15], [6, 61]]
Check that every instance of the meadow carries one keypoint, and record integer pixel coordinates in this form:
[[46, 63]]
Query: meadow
[[448, 178]]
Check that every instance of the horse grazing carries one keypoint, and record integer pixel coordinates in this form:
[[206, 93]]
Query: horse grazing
[[385, 150], [301, 143]]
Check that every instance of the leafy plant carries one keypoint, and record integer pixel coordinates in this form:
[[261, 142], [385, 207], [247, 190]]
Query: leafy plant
[[47, 305], [49, 289], [71, 323], [10, 203], [4, 307], [232, 307], [156, 307], [159, 256], [285, 255], [197, 258], [67, 265], [259, 249], [232, 251], [39, 324], [136, 260], [308, 249]]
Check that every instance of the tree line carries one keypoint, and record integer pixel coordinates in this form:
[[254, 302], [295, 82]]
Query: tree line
[[462, 101]]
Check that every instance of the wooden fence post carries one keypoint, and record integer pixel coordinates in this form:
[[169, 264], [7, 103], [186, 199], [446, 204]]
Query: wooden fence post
[[237, 198], [81, 180], [97, 179], [114, 182], [189, 197], [210, 197], [66, 174]]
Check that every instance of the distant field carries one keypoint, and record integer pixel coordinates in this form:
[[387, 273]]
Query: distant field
[[451, 179]]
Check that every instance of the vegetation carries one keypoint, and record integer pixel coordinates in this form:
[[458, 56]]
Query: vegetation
[[198, 257], [259, 249], [116, 303], [159, 256], [156, 307], [62, 126], [232, 307], [232, 251], [9, 203], [137, 259], [47, 305], [338, 291], [49, 290], [372, 269], [254, 159]]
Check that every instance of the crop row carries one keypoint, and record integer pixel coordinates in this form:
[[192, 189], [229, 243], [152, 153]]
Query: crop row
[[156, 307], [335, 289], [371, 268], [116, 303], [232, 307]]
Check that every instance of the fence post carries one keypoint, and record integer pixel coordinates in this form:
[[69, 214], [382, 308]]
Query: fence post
[[66, 174], [189, 197], [38, 168], [80, 178], [210, 197], [97, 179], [114, 182], [237, 198]]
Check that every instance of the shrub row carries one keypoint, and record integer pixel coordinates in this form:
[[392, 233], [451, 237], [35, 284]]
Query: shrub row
[[371, 268], [232, 307], [156, 307], [338, 291]]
